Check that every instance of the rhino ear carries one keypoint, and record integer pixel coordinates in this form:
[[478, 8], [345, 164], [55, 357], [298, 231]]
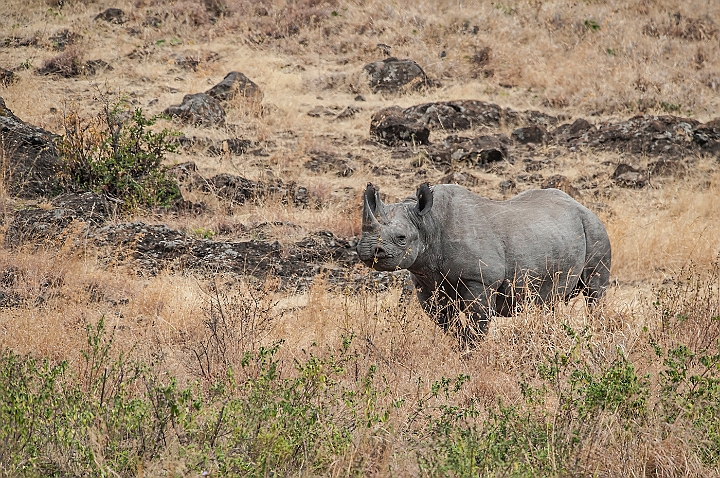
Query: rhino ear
[[424, 199]]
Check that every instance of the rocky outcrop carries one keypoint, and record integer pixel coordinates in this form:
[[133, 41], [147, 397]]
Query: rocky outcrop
[[28, 156]]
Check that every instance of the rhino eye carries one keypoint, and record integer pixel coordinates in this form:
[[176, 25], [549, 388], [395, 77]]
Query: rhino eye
[[402, 240]]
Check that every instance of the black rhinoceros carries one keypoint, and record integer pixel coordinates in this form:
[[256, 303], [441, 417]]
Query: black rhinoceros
[[485, 257]]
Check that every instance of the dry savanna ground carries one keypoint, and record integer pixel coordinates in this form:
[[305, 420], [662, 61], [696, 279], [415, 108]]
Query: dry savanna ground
[[599, 60]]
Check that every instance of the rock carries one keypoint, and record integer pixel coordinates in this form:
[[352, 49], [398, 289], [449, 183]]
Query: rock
[[629, 177], [155, 247], [324, 162], [359, 98], [241, 190], [478, 151], [63, 38], [112, 15], [235, 146], [529, 134], [558, 181], [33, 164], [7, 77], [391, 75], [651, 135], [39, 225], [455, 115], [707, 136], [198, 109], [92, 67], [391, 127], [235, 84], [568, 132]]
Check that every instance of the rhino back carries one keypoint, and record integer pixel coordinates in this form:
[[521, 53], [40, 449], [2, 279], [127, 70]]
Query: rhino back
[[539, 230]]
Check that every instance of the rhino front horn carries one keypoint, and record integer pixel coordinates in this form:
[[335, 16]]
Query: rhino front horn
[[372, 208]]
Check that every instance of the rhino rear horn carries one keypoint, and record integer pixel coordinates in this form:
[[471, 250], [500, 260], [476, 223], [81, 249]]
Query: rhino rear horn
[[424, 199], [373, 207]]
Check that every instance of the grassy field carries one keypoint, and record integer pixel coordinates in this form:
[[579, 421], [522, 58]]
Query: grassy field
[[106, 369]]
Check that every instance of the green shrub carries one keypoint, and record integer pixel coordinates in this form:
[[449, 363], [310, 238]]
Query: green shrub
[[119, 155]]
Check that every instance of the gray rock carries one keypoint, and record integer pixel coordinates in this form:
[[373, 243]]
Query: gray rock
[[33, 164], [198, 109], [392, 74], [235, 84], [391, 127], [112, 15]]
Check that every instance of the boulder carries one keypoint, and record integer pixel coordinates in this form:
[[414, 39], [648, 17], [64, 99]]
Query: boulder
[[31, 160], [198, 109], [391, 127], [39, 225], [233, 85], [529, 134], [391, 75]]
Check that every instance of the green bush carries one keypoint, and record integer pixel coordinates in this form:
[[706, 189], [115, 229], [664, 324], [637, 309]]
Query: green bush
[[119, 155]]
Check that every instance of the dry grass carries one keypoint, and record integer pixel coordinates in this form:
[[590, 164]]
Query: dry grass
[[602, 60]]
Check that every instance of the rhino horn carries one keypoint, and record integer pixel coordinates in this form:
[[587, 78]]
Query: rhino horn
[[372, 208]]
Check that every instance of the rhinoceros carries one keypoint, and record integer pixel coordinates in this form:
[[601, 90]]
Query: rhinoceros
[[484, 257]]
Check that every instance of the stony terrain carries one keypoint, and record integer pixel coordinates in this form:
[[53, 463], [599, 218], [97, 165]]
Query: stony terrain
[[282, 111]]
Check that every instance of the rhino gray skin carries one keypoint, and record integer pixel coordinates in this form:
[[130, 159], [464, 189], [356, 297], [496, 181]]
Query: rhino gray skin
[[484, 257]]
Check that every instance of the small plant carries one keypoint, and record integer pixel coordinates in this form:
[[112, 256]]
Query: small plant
[[591, 25], [118, 154]]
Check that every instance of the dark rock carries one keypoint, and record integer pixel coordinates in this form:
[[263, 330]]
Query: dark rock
[[63, 38], [18, 42], [629, 177], [391, 127], [240, 190], [235, 84], [33, 164], [324, 162], [529, 118], [199, 109], [359, 98], [562, 183], [7, 77], [92, 67], [481, 57], [39, 225], [235, 146], [112, 15], [529, 134], [651, 135], [455, 115], [568, 132], [479, 151], [157, 246], [392, 74], [707, 136], [532, 165]]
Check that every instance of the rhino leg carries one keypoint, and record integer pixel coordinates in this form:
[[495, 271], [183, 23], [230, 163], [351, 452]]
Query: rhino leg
[[595, 276], [438, 306], [478, 303]]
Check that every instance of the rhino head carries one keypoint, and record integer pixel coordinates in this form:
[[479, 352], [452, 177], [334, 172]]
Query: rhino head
[[392, 235]]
